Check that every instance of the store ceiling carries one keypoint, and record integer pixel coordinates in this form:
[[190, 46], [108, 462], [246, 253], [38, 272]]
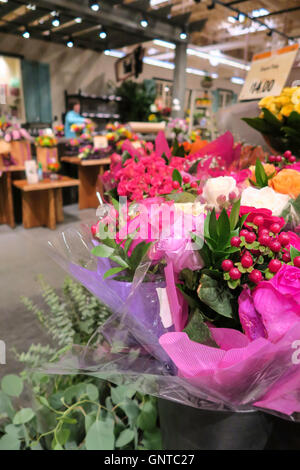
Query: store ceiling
[[211, 23]]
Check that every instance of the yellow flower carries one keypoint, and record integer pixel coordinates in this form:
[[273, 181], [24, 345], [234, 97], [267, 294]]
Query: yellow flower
[[288, 91], [151, 117], [286, 110], [296, 96], [297, 108], [282, 100], [266, 101]]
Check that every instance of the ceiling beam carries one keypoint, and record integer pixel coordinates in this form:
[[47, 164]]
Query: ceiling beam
[[119, 16]]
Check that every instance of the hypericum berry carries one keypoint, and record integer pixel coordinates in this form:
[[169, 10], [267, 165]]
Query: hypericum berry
[[232, 196], [250, 237], [199, 191], [227, 265], [234, 274], [275, 246], [274, 265], [264, 240], [94, 229], [275, 228], [292, 159], [194, 185], [272, 158], [278, 159], [255, 276], [286, 257], [296, 261], [263, 231], [284, 238], [176, 185], [246, 261], [258, 220], [186, 179], [243, 232], [287, 154], [235, 241]]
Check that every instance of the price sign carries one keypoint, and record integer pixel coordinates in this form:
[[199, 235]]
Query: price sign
[[100, 142], [268, 73]]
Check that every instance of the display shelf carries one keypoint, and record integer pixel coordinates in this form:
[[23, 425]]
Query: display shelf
[[100, 107]]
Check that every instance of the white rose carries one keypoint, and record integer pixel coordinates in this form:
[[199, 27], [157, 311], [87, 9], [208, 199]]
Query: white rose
[[265, 198], [221, 186]]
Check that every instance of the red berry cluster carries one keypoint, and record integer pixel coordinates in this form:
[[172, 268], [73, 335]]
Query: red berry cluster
[[279, 160], [187, 184], [261, 253]]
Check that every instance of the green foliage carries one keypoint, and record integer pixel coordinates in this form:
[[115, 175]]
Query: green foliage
[[198, 331], [109, 248], [262, 179], [71, 412], [283, 135], [136, 100]]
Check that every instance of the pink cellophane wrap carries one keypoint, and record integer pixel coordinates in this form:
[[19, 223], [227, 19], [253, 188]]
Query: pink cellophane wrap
[[135, 348]]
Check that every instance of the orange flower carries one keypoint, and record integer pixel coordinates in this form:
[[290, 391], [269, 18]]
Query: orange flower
[[198, 145], [286, 182]]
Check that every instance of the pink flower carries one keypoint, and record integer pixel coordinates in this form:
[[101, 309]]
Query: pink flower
[[294, 240], [273, 307]]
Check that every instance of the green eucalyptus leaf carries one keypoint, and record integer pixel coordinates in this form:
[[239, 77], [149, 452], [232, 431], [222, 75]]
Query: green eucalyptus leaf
[[23, 416], [125, 437], [12, 385], [100, 435], [9, 442]]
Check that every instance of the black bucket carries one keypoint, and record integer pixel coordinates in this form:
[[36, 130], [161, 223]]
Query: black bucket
[[187, 428]]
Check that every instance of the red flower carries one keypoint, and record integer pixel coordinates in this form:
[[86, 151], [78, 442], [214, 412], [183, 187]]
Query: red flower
[[269, 219]]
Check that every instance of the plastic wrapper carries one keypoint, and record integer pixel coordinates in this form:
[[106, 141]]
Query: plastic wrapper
[[139, 345]]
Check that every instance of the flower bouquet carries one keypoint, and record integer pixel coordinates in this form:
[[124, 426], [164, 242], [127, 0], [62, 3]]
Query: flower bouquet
[[53, 168], [46, 150], [19, 141], [59, 130], [279, 121], [78, 129], [72, 146], [206, 308]]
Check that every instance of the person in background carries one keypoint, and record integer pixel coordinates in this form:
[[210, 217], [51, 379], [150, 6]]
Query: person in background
[[73, 117]]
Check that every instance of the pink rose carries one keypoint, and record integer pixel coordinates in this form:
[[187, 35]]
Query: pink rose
[[294, 240], [273, 307]]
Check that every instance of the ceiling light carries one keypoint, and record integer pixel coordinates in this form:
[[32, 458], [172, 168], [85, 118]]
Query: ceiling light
[[259, 12], [94, 6], [237, 80], [166, 44], [56, 21], [26, 34], [113, 53], [144, 23], [53, 13], [78, 19], [183, 35], [70, 43], [154, 3], [102, 34], [31, 6]]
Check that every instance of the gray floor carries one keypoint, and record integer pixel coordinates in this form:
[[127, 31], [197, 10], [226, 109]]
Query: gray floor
[[23, 256]]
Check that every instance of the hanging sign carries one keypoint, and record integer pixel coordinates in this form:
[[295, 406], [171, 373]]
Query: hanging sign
[[268, 73]]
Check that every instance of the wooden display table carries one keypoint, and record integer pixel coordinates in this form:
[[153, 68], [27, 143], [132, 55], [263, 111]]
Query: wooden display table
[[42, 202], [6, 197], [89, 181]]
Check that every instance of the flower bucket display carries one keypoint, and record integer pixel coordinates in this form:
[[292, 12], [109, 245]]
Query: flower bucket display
[[200, 266], [18, 140], [46, 150]]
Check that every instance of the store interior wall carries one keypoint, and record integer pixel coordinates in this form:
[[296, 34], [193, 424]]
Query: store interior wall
[[71, 69]]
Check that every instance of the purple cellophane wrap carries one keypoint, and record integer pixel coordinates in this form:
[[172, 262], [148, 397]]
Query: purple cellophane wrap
[[134, 348]]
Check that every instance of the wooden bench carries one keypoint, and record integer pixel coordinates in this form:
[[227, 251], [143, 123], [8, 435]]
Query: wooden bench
[[42, 202]]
